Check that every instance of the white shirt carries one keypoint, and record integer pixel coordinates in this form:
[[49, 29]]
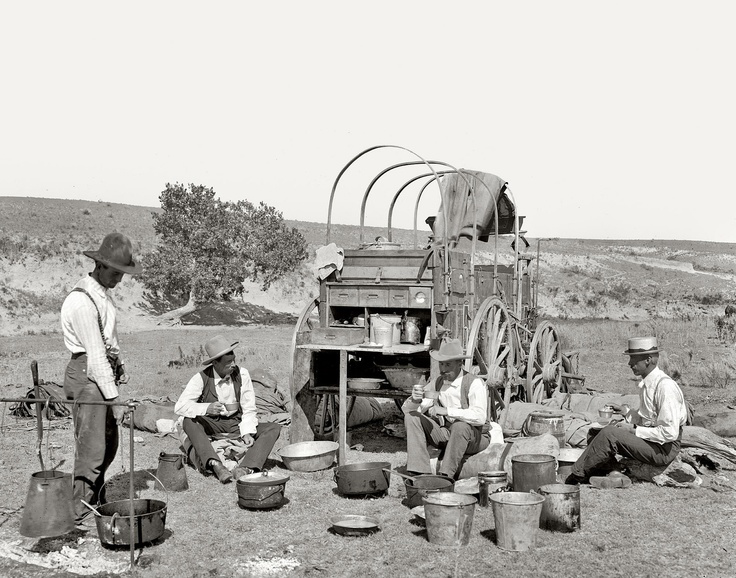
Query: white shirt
[[475, 414], [82, 332], [187, 405], [662, 411]]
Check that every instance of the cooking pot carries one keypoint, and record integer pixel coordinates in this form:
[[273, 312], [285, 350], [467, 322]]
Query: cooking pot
[[149, 520], [113, 523], [261, 490], [362, 478], [426, 484]]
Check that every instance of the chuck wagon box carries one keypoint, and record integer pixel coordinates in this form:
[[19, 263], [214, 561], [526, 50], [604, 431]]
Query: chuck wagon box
[[383, 306]]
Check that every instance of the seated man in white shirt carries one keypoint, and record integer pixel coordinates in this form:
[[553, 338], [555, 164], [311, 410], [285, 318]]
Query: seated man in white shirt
[[650, 435], [219, 401], [450, 414]]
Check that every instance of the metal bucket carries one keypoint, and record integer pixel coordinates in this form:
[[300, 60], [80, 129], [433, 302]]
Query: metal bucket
[[424, 485], [113, 523], [561, 508], [171, 473], [383, 336], [362, 478], [49, 508], [542, 422], [261, 490], [391, 334], [449, 518], [530, 471], [517, 519]]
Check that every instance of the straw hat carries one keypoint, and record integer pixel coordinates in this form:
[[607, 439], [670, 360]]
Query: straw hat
[[642, 346], [217, 347], [448, 351], [116, 251]]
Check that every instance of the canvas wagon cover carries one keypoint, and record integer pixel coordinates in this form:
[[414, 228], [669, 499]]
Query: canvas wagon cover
[[463, 214]]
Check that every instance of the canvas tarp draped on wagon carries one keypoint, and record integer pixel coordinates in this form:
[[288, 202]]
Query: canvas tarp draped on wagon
[[469, 201]]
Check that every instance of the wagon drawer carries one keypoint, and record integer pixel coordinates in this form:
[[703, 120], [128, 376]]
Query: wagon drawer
[[398, 297], [344, 296], [373, 296], [336, 336]]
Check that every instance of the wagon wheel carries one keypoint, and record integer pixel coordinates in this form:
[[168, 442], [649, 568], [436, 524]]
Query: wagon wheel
[[544, 364], [492, 348], [303, 404]]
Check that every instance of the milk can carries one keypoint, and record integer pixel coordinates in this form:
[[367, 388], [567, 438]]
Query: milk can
[[489, 483]]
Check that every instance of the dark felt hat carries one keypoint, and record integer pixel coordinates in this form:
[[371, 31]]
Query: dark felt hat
[[116, 251]]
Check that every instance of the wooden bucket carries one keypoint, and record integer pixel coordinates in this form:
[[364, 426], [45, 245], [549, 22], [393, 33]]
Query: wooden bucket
[[542, 422]]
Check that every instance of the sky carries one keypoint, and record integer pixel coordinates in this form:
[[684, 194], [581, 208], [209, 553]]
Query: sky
[[608, 120]]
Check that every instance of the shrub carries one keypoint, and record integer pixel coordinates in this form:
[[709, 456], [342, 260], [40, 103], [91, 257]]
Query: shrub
[[725, 328]]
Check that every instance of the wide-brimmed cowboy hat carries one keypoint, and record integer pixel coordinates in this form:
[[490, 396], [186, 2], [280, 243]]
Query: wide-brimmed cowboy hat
[[642, 346], [217, 347], [448, 351], [116, 251]]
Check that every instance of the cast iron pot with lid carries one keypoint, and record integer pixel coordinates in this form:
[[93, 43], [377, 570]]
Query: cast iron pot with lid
[[362, 478], [261, 490]]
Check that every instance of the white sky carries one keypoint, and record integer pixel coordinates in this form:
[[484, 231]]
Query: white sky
[[609, 120]]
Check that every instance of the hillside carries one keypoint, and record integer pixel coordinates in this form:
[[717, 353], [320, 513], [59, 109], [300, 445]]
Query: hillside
[[41, 244]]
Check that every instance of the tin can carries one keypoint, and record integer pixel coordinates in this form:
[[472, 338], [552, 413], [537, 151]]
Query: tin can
[[489, 483]]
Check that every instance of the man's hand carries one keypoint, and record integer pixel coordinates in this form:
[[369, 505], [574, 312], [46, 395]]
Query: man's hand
[[215, 408], [123, 377], [417, 393], [247, 440], [626, 426], [437, 410], [118, 412]]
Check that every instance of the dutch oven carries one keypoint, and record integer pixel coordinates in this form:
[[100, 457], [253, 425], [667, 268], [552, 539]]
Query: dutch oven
[[362, 478]]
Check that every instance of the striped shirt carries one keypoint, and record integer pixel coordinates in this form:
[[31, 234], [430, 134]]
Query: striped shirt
[[82, 332]]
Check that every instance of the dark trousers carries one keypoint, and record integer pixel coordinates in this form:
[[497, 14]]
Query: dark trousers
[[95, 433], [612, 440], [199, 448], [456, 440]]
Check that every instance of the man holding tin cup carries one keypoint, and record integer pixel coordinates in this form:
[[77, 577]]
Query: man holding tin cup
[[450, 414], [650, 434]]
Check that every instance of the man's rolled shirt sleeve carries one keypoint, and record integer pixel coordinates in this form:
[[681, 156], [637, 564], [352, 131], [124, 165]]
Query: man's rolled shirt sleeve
[[187, 404], [249, 420]]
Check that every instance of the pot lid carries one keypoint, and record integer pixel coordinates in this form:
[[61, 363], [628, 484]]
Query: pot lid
[[263, 478]]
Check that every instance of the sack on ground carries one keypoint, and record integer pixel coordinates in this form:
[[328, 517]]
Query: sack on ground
[[147, 414]]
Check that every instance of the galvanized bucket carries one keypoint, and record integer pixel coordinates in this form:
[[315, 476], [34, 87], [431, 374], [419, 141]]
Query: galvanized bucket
[[449, 518], [517, 519], [561, 508], [530, 471]]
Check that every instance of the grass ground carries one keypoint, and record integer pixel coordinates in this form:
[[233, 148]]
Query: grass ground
[[642, 531]]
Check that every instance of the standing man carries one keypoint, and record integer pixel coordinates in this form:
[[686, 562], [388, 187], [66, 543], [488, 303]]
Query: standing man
[[650, 434], [450, 414], [219, 401], [95, 371]]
